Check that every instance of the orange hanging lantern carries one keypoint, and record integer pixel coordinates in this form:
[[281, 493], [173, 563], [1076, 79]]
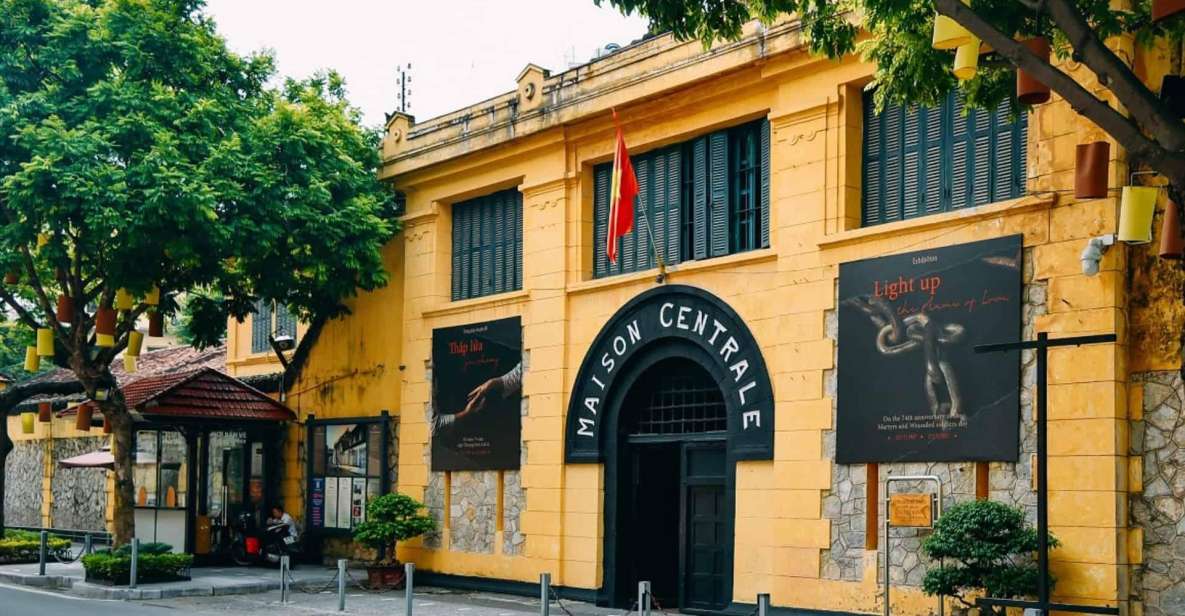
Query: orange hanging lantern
[[83, 421], [65, 311], [44, 412], [105, 327], [1162, 9], [156, 324], [1091, 170], [106, 425], [12, 278], [1029, 90], [1172, 245]]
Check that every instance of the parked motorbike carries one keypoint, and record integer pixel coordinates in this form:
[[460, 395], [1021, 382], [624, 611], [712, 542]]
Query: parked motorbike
[[253, 545]]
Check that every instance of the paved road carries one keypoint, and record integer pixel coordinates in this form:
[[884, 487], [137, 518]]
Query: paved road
[[25, 601]]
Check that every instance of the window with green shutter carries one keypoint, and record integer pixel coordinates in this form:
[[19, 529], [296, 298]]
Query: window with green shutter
[[702, 198], [488, 245], [261, 327], [924, 160]]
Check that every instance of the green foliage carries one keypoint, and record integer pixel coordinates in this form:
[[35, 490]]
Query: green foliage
[[150, 567], [908, 69], [147, 153], [391, 518], [984, 546], [13, 340], [25, 546], [151, 547]]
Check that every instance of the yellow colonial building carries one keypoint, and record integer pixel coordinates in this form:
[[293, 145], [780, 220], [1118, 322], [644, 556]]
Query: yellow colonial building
[[790, 322]]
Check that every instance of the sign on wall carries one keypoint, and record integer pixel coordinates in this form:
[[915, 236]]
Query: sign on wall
[[346, 470], [477, 377], [911, 388]]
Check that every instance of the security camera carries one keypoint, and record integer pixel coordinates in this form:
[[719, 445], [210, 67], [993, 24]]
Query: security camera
[[284, 343], [1093, 253]]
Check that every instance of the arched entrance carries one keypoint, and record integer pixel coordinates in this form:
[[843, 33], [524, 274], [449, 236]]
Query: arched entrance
[[672, 393], [673, 518]]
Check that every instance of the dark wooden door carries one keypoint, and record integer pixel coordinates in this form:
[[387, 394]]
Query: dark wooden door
[[706, 527]]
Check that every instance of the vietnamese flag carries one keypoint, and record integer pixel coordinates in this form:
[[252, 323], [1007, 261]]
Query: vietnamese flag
[[623, 187]]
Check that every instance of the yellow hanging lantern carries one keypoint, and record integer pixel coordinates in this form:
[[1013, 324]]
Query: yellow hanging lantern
[[1136, 207], [42, 240], [129, 363], [27, 420], [967, 60], [44, 342], [135, 342], [124, 300], [152, 298], [948, 33], [32, 359]]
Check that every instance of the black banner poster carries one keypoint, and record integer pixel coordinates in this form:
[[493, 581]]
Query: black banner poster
[[477, 380], [910, 386]]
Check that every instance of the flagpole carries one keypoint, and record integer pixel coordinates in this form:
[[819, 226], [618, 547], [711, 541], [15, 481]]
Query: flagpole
[[662, 266]]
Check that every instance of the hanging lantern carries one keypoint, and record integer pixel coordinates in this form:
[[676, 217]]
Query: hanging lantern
[[12, 278], [65, 312], [152, 298], [105, 327], [27, 420], [102, 393], [156, 324], [44, 412], [5, 381], [83, 421], [948, 33], [42, 240], [32, 359], [1162, 9], [966, 60], [129, 363], [106, 425], [1029, 90], [1136, 207], [1091, 170], [124, 300], [135, 343], [1172, 245], [45, 342]]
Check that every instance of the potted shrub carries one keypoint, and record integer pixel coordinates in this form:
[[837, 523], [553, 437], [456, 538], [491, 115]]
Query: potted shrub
[[985, 548], [390, 518]]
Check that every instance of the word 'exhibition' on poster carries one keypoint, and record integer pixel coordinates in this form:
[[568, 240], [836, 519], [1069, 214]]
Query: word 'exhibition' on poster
[[911, 388], [477, 377]]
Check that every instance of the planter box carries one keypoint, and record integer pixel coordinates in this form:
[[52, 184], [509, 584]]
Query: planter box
[[384, 577], [156, 579]]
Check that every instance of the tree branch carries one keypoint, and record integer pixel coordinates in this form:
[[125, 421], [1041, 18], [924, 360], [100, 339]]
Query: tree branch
[[1147, 109], [16, 394], [25, 315], [51, 317], [1126, 132]]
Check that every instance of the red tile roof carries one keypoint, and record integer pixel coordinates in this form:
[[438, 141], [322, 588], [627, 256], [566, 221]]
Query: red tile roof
[[202, 393]]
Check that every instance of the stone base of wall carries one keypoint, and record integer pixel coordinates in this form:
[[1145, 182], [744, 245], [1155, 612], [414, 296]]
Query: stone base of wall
[[79, 494], [23, 472], [1160, 510]]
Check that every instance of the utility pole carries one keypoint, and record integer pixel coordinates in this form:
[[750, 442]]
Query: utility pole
[[403, 83]]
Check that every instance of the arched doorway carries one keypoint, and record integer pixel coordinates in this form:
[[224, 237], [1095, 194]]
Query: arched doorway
[[674, 523]]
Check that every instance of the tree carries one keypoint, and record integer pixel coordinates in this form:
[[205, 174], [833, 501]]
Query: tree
[[140, 159], [391, 518], [983, 546]]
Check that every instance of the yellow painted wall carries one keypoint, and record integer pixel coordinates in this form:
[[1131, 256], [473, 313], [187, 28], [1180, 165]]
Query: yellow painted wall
[[666, 92]]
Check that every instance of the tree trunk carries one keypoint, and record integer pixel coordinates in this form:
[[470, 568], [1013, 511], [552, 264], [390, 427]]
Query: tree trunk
[[124, 523], [5, 449]]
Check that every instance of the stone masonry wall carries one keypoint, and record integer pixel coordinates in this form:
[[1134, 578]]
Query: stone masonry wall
[[845, 504], [1159, 438], [79, 494], [22, 486]]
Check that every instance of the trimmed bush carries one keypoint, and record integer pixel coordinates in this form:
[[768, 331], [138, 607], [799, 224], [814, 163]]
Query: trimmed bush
[[19, 546], [115, 567]]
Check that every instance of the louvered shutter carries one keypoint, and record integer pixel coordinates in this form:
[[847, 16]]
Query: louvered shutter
[[499, 216], [673, 205], [658, 208], [893, 122], [763, 152], [911, 156], [718, 191], [873, 180], [261, 326], [961, 152], [285, 322], [458, 251], [932, 166], [516, 218], [981, 176], [600, 219], [628, 255], [700, 182], [1020, 155]]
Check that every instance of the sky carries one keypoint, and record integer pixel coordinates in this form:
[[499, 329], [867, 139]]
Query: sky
[[460, 51]]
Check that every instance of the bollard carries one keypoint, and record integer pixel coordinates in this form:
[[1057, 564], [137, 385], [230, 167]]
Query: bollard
[[544, 594], [763, 604], [644, 598], [409, 571], [284, 579], [87, 546], [135, 563], [341, 585], [42, 553]]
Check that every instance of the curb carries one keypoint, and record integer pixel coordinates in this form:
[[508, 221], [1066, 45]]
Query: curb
[[76, 586]]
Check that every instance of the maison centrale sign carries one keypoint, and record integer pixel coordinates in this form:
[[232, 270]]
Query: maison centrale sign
[[673, 321]]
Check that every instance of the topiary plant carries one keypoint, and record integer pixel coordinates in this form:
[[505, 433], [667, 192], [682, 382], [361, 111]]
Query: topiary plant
[[391, 518], [984, 546]]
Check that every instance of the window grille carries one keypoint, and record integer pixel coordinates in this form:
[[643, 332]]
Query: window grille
[[682, 400]]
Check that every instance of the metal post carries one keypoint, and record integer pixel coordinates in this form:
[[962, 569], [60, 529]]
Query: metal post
[[341, 584], [544, 594], [409, 571], [284, 578], [42, 553], [887, 545], [763, 604], [87, 545], [135, 563], [644, 598], [1042, 477]]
